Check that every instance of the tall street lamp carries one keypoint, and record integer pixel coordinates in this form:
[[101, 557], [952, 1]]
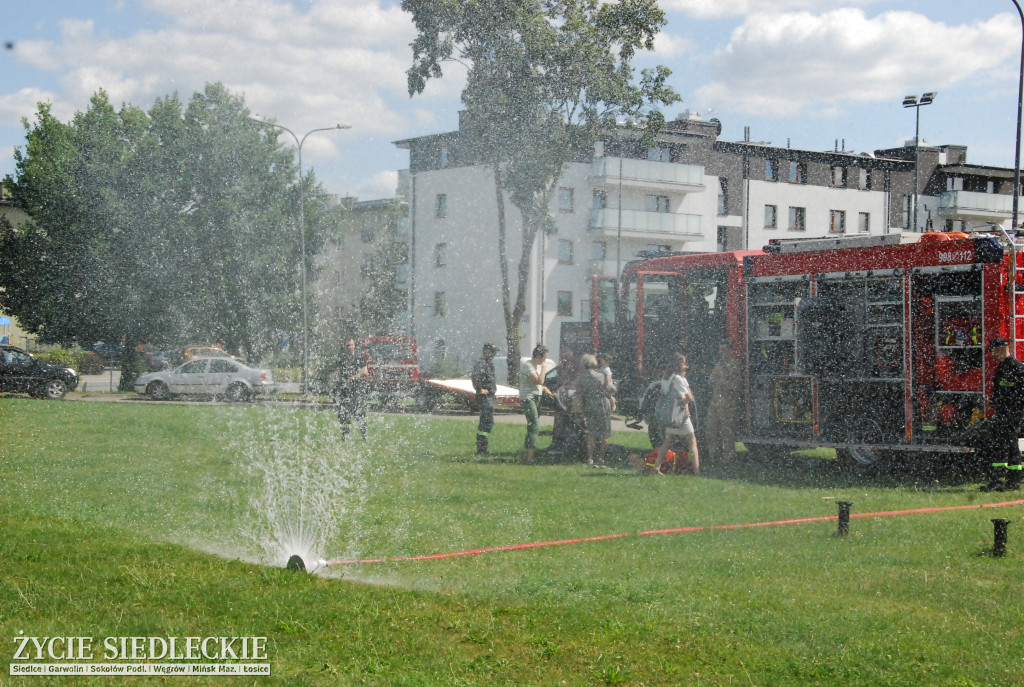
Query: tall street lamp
[[912, 101], [302, 236], [1020, 101]]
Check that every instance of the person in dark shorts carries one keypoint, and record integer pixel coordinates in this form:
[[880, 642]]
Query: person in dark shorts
[[485, 386]]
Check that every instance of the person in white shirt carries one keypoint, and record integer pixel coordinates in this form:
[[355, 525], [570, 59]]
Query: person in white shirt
[[531, 390], [677, 387]]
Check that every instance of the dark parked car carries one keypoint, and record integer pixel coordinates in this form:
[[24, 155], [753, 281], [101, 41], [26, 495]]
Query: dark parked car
[[20, 372], [110, 354]]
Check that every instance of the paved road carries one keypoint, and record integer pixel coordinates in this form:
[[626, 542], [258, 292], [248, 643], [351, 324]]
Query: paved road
[[108, 381]]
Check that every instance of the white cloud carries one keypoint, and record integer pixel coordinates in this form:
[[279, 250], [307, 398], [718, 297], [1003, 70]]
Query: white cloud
[[790, 64], [380, 185], [668, 46], [307, 66], [14, 106], [711, 9]]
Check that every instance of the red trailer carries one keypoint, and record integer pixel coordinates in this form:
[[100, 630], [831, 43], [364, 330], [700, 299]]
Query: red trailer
[[870, 345]]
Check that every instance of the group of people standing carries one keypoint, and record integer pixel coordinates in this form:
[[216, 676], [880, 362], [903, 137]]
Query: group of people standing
[[531, 390], [594, 401]]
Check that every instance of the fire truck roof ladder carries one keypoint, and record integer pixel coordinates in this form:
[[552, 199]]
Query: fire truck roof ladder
[[839, 242], [1016, 248]]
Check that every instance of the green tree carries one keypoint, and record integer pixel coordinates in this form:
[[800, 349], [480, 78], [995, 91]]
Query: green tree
[[545, 78], [164, 227]]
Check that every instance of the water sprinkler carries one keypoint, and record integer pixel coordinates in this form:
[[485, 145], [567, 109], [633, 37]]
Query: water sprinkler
[[296, 564], [999, 544], [844, 518]]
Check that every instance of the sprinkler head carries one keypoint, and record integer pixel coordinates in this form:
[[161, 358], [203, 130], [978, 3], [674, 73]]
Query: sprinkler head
[[296, 564]]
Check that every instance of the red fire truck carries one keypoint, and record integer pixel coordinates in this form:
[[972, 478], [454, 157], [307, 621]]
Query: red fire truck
[[393, 366], [870, 345]]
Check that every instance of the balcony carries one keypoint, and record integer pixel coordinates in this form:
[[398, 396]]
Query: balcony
[[973, 204], [645, 173], [669, 226]]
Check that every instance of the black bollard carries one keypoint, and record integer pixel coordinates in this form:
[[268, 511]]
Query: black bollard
[[999, 527], [844, 518]]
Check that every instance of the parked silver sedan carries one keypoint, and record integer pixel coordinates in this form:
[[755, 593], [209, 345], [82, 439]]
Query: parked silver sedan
[[207, 377]]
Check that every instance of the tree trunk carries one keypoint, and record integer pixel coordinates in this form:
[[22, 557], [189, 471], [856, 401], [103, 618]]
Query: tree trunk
[[131, 363], [511, 322]]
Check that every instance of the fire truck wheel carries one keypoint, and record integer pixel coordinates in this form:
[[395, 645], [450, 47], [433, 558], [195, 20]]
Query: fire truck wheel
[[861, 457], [858, 458]]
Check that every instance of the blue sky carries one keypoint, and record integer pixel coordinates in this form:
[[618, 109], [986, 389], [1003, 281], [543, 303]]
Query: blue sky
[[806, 72]]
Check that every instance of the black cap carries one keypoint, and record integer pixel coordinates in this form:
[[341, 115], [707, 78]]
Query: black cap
[[997, 342], [490, 348]]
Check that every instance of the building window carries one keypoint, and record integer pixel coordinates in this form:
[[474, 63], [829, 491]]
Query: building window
[[864, 222], [564, 252], [954, 183], [368, 267], [444, 156], [440, 304], [907, 211], [565, 303], [771, 217], [440, 250], [838, 178], [797, 172], [771, 170], [656, 203], [722, 241], [565, 199], [598, 250], [723, 196], [441, 206], [990, 187], [954, 225], [797, 219], [369, 229], [837, 221], [659, 154], [600, 199], [863, 179]]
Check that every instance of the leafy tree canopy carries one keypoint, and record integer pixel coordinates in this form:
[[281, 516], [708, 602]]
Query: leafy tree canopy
[[545, 77], [165, 227]]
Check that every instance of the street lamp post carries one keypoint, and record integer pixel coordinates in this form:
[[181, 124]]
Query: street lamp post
[[912, 101], [302, 236], [1020, 103]]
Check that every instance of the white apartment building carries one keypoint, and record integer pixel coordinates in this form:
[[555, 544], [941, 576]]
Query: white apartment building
[[691, 192]]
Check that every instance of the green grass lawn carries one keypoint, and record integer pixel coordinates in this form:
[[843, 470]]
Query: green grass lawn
[[138, 519]]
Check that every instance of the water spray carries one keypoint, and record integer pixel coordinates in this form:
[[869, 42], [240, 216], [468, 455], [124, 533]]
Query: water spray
[[296, 564]]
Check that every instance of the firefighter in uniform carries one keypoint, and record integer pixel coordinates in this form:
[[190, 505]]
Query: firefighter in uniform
[[485, 387], [349, 391], [1008, 399]]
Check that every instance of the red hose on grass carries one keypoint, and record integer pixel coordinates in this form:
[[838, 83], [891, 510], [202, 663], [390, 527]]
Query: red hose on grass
[[674, 530]]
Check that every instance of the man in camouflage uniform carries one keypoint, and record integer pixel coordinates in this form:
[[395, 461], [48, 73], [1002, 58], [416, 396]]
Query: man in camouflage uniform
[[485, 387]]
